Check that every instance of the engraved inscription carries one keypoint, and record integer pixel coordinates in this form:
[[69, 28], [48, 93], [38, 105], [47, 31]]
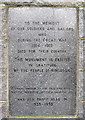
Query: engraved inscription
[[42, 61]]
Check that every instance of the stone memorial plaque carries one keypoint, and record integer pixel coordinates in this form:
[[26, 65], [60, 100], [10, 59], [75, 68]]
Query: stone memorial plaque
[[42, 61]]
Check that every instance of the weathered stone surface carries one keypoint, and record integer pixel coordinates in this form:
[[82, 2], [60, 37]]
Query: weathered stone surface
[[3, 85], [83, 54], [84, 86], [81, 86], [52, 37], [3, 54], [3, 110], [82, 22], [3, 74], [84, 110], [45, 119], [18, 64], [44, 2], [2, 21], [80, 54]]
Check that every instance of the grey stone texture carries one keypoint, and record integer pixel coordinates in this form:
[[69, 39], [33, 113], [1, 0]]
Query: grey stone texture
[[20, 108], [2, 21], [46, 79], [44, 2], [3, 110], [81, 54], [84, 86], [82, 22]]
